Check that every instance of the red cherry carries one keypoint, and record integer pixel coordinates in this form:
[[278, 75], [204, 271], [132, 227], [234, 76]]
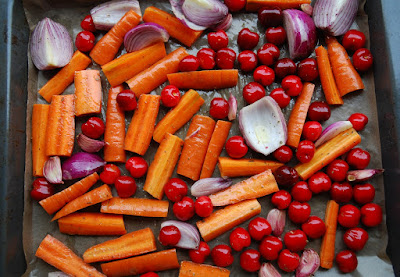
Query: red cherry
[[295, 240], [184, 209], [247, 60], [219, 108], [222, 255], [126, 100], [288, 261], [319, 111], [235, 5], [126, 186], [286, 175], [41, 189], [285, 67], [169, 235], [314, 227], [200, 255], [218, 40], [170, 96], [270, 16], [239, 239], [358, 158], [175, 189], [300, 192], [189, 63], [371, 215], [364, 193], [270, 247], [250, 260], [236, 147], [203, 206], [226, 58], [252, 92], [355, 238], [349, 216], [150, 274], [268, 54], [341, 192], [281, 199], [337, 170], [85, 41], [93, 128], [264, 75], [87, 24], [307, 70], [353, 40], [280, 96], [299, 212], [206, 58], [283, 154], [319, 182], [346, 261], [276, 35], [137, 166], [259, 227], [312, 130], [362, 59], [292, 85], [358, 120], [247, 39], [305, 151], [110, 173]]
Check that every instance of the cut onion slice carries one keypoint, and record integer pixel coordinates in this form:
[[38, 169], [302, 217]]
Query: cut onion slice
[[144, 35], [190, 237], [332, 131]]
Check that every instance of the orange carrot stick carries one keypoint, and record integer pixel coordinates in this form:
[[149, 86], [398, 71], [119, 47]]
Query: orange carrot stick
[[90, 198], [60, 131], [298, 115], [57, 201], [131, 244], [55, 253], [346, 77], [108, 46], [135, 206], [189, 269], [174, 27], [254, 5], [205, 79], [92, 224], [221, 221], [329, 87], [88, 92], [156, 75], [65, 76], [40, 114], [158, 261], [128, 65], [141, 128], [217, 142], [327, 253], [329, 151], [195, 147], [114, 135], [245, 167], [162, 166], [254, 187], [189, 104]]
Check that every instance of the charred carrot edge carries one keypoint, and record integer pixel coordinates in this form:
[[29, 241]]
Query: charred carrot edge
[[158, 261], [205, 79], [128, 65], [254, 187], [55, 253], [131, 244], [174, 27], [60, 131], [329, 151], [346, 77], [88, 92], [135, 206], [40, 114], [329, 87], [156, 75], [162, 166], [217, 142], [244, 167], [65, 76], [254, 5], [327, 253], [114, 135], [298, 115], [55, 202], [195, 147], [190, 269], [90, 198], [189, 104], [141, 128], [108, 46]]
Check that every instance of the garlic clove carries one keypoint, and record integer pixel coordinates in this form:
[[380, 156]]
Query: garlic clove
[[52, 170], [277, 219], [88, 144]]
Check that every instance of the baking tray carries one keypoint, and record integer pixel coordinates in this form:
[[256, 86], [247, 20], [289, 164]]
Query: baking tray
[[13, 79]]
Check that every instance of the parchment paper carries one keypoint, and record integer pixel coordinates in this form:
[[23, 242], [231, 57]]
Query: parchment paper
[[372, 259]]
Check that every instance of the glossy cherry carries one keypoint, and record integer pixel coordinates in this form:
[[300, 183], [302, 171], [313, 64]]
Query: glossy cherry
[[203, 206], [305, 151], [286, 176], [137, 166], [189, 63], [236, 147], [341, 192], [250, 260], [270, 16], [276, 35], [268, 54], [288, 261], [206, 58], [235, 5], [280, 96], [270, 247], [252, 92], [150, 274], [349, 216], [281, 199], [169, 235], [247, 60], [283, 154], [353, 40], [184, 209], [222, 255], [247, 39], [358, 120], [362, 59], [337, 170], [319, 182], [364, 193], [295, 240], [264, 75], [170, 96], [85, 41], [299, 212], [175, 189], [93, 128], [312, 130], [314, 227], [259, 227], [239, 239], [126, 186], [319, 111], [301, 192], [346, 261], [219, 108], [285, 67], [371, 215], [358, 158], [307, 70], [218, 40], [110, 173], [87, 24], [292, 85], [200, 255], [41, 189], [225, 58], [126, 100], [355, 238]]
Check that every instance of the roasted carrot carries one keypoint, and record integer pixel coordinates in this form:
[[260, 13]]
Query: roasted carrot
[[141, 128], [190, 269], [156, 75], [329, 151], [65, 76], [128, 65], [221, 221], [158, 261], [174, 26], [60, 131], [217, 142], [244, 167], [328, 83], [189, 104], [346, 77], [205, 79], [57, 254], [108, 46], [57, 201], [114, 135], [87, 92], [298, 115], [90, 198], [254, 5], [195, 147], [131, 244], [40, 115], [327, 253], [162, 166], [135, 206]]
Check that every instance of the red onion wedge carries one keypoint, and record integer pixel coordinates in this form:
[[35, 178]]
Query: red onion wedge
[[232, 107], [224, 24], [301, 33], [88, 144], [80, 165], [106, 15], [144, 35], [209, 186], [50, 45], [277, 219], [309, 263], [332, 131], [363, 174], [335, 16], [263, 125], [268, 270], [52, 170], [190, 237]]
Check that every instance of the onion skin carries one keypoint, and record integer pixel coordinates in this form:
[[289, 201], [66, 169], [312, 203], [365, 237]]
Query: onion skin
[[209, 186], [190, 237], [144, 35], [80, 165], [333, 130]]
